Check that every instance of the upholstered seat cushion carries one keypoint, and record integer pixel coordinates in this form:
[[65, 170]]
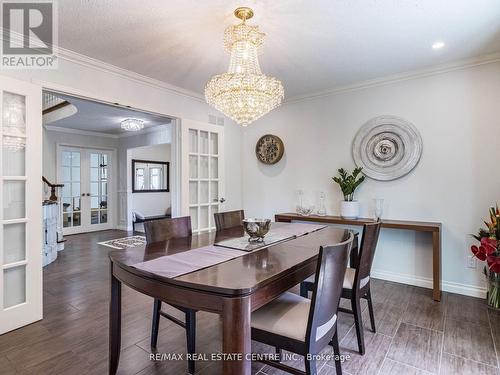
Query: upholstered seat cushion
[[348, 279], [285, 316]]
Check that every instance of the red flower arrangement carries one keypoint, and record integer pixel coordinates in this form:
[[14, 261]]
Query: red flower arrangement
[[489, 251]]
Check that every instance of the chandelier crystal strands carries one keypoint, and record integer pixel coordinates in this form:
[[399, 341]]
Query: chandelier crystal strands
[[14, 123], [243, 93], [132, 124]]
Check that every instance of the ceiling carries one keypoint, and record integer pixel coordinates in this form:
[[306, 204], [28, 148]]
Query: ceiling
[[104, 118], [310, 45]]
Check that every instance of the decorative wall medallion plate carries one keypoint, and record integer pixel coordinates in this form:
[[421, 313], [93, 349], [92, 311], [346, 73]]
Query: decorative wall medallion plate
[[387, 147], [269, 149]]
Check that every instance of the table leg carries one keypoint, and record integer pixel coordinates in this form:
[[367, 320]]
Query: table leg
[[115, 322], [436, 265], [236, 335]]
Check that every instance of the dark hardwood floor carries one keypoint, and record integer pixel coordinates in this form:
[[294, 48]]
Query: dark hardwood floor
[[415, 335]]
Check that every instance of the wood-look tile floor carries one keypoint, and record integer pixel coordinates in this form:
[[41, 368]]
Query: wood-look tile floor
[[414, 334]]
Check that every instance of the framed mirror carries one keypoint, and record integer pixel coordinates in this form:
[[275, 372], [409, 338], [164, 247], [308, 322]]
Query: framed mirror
[[149, 176]]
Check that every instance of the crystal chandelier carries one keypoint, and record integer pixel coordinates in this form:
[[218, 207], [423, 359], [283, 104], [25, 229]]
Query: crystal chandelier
[[244, 93], [132, 124], [14, 123]]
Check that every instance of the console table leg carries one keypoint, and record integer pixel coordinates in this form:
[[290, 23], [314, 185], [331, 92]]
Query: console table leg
[[436, 265]]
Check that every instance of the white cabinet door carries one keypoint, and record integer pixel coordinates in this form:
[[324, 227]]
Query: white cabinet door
[[86, 198], [202, 173], [21, 204]]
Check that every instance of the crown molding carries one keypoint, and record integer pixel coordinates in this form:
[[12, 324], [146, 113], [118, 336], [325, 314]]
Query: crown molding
[[61, 129], [77, 58], [394, 78], [89, 62]]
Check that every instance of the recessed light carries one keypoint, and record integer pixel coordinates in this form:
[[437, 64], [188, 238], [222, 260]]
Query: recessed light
[[438, 45]]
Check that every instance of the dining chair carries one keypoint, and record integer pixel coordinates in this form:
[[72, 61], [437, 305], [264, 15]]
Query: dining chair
[[357, 281], [164, 230], [304, 326], [229, 219]]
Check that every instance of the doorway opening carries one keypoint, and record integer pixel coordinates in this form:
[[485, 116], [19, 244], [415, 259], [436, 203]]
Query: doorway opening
[[87, 155], [148, 183]]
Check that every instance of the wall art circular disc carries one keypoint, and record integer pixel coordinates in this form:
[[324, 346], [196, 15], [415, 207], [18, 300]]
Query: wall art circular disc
[[387, 147]]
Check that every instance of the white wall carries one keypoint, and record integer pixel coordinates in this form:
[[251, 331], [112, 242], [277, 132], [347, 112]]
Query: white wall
[[457, 113], [457, 179], [150, 204]]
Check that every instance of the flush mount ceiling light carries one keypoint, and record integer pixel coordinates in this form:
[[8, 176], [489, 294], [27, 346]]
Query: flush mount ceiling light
[[438, 45], [244, 93], [132, 124]]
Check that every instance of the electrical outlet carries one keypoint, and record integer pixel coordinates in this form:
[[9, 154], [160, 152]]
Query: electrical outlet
[[471, 261]]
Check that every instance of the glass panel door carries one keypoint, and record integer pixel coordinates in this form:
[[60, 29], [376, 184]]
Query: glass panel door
[[86, 199], [20, 215], [14, 198], [202, 192], [98, 188], [72, 180]]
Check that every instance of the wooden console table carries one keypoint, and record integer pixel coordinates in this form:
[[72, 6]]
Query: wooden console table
[[418, 226]]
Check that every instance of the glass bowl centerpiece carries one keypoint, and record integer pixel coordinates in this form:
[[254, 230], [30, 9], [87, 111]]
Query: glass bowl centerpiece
[[256, 228]]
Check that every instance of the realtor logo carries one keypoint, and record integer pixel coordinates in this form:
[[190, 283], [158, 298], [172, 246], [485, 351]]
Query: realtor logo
[[29, 35]]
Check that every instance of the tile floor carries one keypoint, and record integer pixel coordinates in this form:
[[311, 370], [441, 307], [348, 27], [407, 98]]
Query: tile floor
[[415, 335]]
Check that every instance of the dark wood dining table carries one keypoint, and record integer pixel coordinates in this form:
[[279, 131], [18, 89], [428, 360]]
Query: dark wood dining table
[[232, 289]]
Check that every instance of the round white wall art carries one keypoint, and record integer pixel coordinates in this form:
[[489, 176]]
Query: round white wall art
[[387, 147]]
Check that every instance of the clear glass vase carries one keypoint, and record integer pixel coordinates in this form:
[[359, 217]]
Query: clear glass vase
[[304, 207], [493, 295], [321, 205]]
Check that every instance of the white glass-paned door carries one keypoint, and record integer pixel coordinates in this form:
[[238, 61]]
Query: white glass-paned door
[[99, 164], [71, 178], [21, 201], [85, 174], [203, 183]]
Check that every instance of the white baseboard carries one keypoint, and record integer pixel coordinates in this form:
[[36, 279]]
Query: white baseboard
[[425, 282]]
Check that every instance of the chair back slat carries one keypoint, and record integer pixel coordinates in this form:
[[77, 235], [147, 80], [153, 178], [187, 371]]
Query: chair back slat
[[366, 253], [327, 289], [230, 219], [166, 229]]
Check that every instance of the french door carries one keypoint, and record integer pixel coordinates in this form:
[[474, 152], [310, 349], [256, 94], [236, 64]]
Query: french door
[[202, 173], [21, 204], [86, 202]]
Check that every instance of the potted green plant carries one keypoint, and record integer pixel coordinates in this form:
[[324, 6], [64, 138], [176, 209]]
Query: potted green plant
[[349, 182]]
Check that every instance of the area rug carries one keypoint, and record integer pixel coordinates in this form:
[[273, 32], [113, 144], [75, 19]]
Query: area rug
[[123, 243]]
